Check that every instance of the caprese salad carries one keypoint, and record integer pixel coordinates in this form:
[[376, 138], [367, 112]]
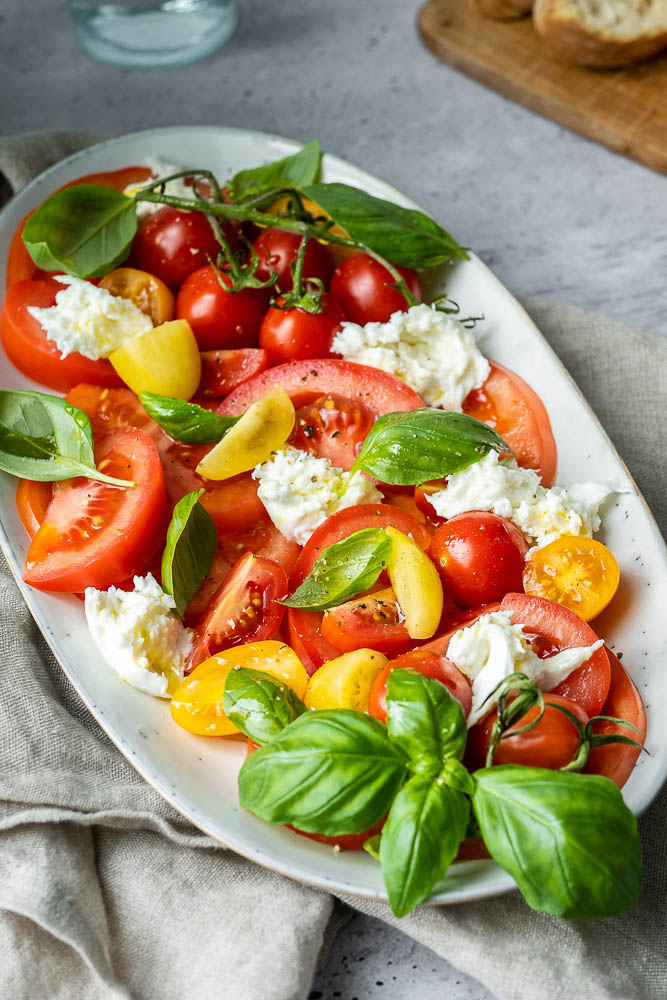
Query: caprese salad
[[302, 505]]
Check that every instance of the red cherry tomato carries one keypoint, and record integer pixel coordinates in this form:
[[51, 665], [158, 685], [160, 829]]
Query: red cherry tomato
[[32, 353], [333, 428], [509, 405], [366, 291], [277, 249], [615, 760], [371, 622], [293, 334], [172, 243], [480, 557], [430, 664], [32, 501], [219, 318], [95, 534], [223, 371], [244, 609]]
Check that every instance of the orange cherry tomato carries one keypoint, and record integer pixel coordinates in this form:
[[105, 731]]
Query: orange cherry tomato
[[146, 291], [577, 572]]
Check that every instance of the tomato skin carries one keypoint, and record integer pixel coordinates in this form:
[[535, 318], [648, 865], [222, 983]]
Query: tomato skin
[[616, 761], [295, 334], [172, 243], [72, 551], [277, 249], [365, 289], [332, 428], [32, 501], [234, 504], [109, 408], [30, 351], [220, 319], [372, 622], [428, 663], [480, 557], [144, 290], [223, 371]]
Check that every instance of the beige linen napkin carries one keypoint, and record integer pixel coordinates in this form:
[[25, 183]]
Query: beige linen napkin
[[106, 892]]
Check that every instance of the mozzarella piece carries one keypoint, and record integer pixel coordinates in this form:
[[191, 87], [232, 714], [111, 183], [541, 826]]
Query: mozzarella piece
[[517, 494], [492, 648], [139, 635], [176, 188], [89, 320], [300, 491], [429, 350]]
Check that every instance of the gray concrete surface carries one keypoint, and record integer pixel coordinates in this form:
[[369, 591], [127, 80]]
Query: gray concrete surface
[[553, 214]]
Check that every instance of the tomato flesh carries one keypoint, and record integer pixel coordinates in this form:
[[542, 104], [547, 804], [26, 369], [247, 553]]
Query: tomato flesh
[[223, 371], [333, 428], [32, 501], [373, 622]]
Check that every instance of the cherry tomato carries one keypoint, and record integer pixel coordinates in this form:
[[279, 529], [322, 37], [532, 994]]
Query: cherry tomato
[[429, 663], [616, 760], [577, 572], [244, 609], [294, 334], [95, 534], [32, 353], [172, 243], [556, 628], [223, 371], [333, 428], [32, 501], [221, 319], [366, 290], [277, 249], [146, 291], [373, 621], [509, 405], [552, 743], [479, 556]]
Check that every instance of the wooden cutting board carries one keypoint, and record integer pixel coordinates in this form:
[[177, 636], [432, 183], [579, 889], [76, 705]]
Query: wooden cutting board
[[625, 110]]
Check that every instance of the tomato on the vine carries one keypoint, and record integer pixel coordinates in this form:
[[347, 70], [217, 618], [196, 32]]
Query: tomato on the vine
[[290, 333], [277, 250], [172, 243], [220, 318], [367, 291]]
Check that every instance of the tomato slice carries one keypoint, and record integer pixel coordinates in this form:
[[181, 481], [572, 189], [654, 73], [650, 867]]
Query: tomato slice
[[616, 760], [429, 663], [109, 408], [244, 609], [32, 501], [32, 353], [234, 504], [373, 621], [94, 534], [517, 413], [333, 428], [305, 381], [224, 371]]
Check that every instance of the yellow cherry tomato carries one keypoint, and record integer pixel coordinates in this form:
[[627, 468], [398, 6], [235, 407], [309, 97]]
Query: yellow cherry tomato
[[263, 429], [346, 681], [575, 571], [164, 360], [417, 585], [146, 291], [197, 703]]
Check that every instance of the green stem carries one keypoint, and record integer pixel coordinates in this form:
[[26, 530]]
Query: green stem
[[297, 274]]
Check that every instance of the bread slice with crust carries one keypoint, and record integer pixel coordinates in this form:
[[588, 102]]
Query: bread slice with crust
[[603, 33], [504, 10]]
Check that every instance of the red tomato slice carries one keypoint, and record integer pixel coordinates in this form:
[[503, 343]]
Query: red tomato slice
[[32, 501], [517, 413], [29, 350], [96, 534], [304, 381], [617, 761], [458, 620], [333, 428], [371, 622], [559, 628], [429, 663], [109, 408], [224, 371], [234, 504], [244, 609]]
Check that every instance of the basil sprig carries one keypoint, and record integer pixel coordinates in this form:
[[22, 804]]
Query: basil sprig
[[188, 553], [410, 448], [424, 720], [261, 706], [186, 421], [85, 230], [45, 438], [344, 570], [296, 171]]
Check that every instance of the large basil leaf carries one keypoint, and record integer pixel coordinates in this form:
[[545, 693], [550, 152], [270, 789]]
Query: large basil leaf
[[567, 839], [261, 706], [344, 570], [403, 236], [44, 438], [424, 719], [85, 230], [420, 839], [186, 421], [410, 448], [331, 772], [294, 171], [188, 553]]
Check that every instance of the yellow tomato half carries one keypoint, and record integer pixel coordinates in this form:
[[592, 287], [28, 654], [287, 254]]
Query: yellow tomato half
[[575, 571], [164, 360], [197, 703], [417, 585], [346, 681], [146, 291]]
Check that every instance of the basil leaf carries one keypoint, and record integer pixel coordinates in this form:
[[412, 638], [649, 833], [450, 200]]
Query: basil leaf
[[261, 706], [372, 846], [424, 719], [45, 438], [85, 230], [294, 171], [188, 554], [331, 772], [567, 839], [344, 570], [410, 448], [186, 421], [420, 839], [404, 236]]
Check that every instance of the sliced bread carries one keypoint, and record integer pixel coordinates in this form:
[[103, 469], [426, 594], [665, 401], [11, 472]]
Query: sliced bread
[[603, 33]]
